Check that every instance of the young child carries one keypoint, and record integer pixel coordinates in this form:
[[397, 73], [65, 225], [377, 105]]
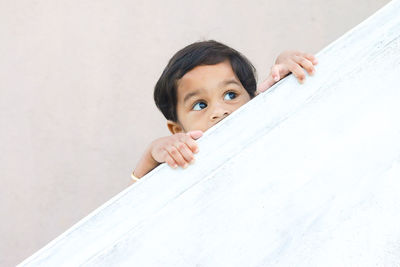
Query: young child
[[202, 84]]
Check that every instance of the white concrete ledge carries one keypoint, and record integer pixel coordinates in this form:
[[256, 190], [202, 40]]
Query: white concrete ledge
[[303, 175]]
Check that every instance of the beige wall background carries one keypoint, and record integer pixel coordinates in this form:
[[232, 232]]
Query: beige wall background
[[76, 85]]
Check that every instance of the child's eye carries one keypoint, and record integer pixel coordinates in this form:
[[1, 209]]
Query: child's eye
[[199, 106], [230, 96]]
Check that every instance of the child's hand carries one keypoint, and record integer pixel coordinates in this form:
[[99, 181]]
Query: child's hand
[[176, 150], [287, 62]]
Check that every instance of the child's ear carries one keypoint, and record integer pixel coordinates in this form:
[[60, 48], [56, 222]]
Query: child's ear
[[174, 127]]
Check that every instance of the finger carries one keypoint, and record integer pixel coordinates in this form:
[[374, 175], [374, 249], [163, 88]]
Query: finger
[[310, 57], [275, 72], [191, 144], [170, 161], [195, 134], [306, 64], [297, 71], [272, 78], [186, 153], [176, 156], [283, 70], [188, 140], [266, 84]]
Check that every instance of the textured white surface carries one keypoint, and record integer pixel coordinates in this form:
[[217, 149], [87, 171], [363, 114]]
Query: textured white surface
[[301, 176]]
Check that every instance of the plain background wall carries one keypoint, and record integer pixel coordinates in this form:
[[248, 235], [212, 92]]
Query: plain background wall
[[76, 85]]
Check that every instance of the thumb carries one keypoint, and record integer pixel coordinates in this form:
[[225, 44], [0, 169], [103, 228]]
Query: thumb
[[273, 77], [195, 134], [266, 84]]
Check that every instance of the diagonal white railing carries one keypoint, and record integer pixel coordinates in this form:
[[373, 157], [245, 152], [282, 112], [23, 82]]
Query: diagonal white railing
[[302, 175]]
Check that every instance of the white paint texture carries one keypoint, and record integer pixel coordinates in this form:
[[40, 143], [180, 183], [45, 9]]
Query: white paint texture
[[303, 175]]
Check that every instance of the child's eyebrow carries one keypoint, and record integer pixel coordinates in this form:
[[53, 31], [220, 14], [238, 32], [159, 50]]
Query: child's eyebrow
[[190, 95], [227, 82]]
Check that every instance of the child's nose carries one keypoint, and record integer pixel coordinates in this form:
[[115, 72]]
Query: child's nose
[[219, 113]]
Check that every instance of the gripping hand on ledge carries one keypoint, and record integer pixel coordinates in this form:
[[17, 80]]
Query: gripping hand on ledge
[[176, 150], [289, 62]]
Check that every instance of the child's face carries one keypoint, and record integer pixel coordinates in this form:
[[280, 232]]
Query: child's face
[[206, 95]]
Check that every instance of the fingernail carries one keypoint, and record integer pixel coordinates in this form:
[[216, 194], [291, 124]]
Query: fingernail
[[192, 161], [276, 78], [185, 166], [175, 166]]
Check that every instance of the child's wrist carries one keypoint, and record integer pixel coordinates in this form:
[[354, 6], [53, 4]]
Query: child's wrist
[[145, 165], [149, 156]]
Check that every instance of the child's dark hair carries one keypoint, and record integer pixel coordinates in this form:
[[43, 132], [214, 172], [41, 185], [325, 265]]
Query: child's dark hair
[[193, 55]]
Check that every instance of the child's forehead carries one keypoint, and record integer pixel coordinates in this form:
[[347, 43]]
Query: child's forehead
[[206, 76], [221, 68]]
